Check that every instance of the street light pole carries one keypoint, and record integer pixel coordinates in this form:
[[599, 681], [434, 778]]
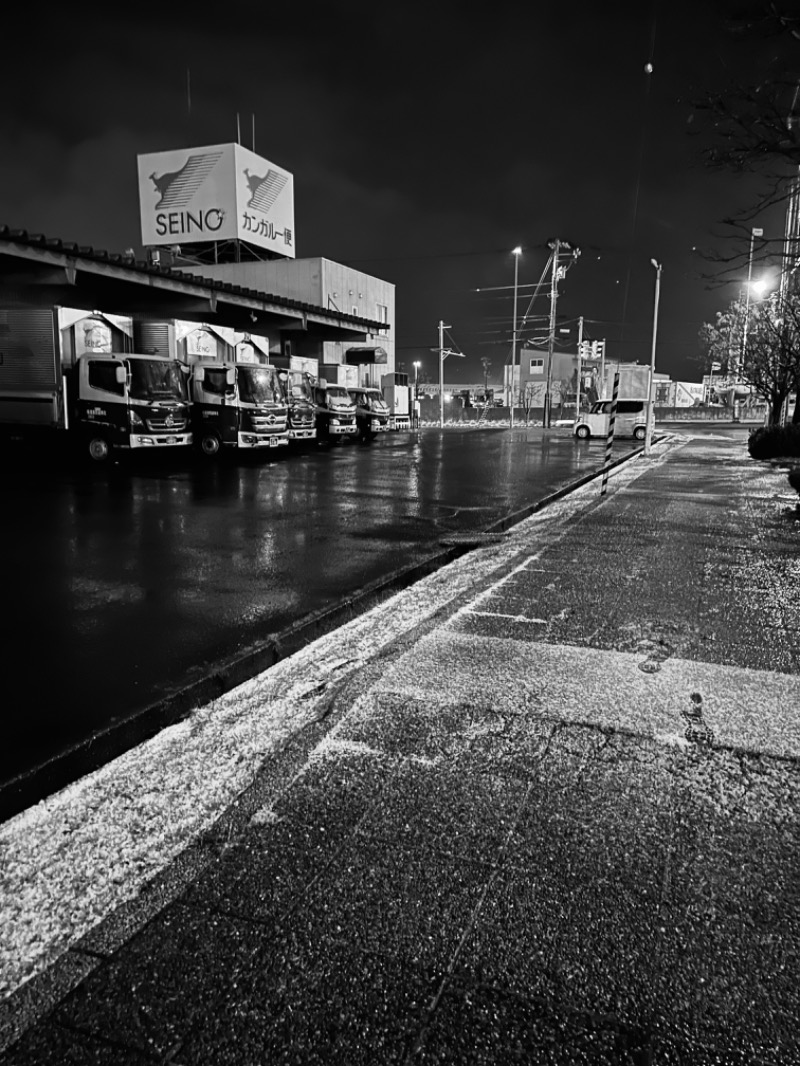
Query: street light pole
[[578, 369], [516, 252], [416, 380], [648, 437], [740, 361], [551, 333], [442, 356]]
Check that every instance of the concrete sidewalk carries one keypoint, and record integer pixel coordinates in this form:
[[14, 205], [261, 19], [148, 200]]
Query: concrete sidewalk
[[555, 818]]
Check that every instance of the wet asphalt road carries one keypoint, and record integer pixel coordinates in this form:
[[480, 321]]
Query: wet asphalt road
[[443, 870], [124, 584]]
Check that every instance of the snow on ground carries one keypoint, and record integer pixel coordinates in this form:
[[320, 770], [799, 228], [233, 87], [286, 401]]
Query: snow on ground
[[69, 861]]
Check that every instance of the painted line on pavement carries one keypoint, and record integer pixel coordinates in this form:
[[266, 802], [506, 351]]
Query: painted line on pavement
[[499, 614], [91, 848], [114, 740], [749, 710]]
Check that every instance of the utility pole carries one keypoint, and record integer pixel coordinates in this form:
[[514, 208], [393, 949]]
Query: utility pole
[[556, 246], [791, 247], [517, 252], [740, 362], [578, 380], [651, 392], [486, 363], [442, 328], [443, 354]]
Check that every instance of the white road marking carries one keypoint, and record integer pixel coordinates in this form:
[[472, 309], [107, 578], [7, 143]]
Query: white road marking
[[499, 614], [754, 709], [71, 860]]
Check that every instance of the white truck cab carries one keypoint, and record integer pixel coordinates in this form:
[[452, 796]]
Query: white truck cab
[[630, 421]]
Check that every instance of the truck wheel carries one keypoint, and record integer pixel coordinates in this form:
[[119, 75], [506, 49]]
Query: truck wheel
[[209, 444], [640, 433], [583, 432], [99, 449]]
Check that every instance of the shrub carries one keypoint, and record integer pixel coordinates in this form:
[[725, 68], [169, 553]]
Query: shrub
[[770, 442]]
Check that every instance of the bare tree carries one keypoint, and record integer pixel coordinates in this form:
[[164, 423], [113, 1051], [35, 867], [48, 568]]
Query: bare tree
[[526, 399], [567, 387], [768, 352], [754, 127]]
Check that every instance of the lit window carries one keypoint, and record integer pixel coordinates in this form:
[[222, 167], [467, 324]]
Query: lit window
[[537, 366]]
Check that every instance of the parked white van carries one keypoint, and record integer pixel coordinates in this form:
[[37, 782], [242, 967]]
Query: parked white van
[[631, 420]]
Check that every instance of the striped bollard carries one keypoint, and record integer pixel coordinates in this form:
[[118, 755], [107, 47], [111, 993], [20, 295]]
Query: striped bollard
[[610, 435]]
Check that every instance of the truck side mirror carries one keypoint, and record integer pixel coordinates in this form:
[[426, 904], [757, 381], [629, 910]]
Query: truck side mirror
[[199, 373], [120, 375], [230, 376]]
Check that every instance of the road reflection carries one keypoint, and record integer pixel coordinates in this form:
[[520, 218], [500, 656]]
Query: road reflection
[[122, 585]]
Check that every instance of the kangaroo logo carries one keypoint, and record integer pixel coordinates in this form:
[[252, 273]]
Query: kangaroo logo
[[264, 191], [177, 188]]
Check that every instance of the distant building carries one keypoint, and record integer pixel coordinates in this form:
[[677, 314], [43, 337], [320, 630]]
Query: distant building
[[324, 283], [529, 378], [679, 393], [221, 211]]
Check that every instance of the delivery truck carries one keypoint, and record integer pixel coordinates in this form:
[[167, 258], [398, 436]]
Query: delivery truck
[[335, 412], [397, 393], [372, 412], [100, 400], [237, 406], [299, 391]]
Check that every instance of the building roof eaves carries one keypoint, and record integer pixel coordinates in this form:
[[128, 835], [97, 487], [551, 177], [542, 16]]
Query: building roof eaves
[[101, 255]]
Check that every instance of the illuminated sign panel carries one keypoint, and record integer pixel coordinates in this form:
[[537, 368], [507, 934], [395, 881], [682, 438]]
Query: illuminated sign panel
[[218, 193]]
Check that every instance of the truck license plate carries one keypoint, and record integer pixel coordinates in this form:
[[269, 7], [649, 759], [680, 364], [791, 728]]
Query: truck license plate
[[273, 442], [172, 440]]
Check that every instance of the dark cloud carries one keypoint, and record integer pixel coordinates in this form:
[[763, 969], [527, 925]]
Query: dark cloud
[[426, 141]]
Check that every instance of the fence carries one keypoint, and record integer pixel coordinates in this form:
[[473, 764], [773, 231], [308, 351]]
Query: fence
[[454, 411], [710, 414]]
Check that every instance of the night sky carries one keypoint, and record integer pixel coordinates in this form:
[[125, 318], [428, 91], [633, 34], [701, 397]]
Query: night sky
[[426, 141]]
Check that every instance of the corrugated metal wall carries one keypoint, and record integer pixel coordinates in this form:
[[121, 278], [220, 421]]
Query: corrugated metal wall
[[29, 357]]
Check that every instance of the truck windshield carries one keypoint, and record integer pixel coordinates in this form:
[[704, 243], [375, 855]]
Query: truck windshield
[[300, 388], [259, 384], [338, 396], [375, 400], [157, 379]]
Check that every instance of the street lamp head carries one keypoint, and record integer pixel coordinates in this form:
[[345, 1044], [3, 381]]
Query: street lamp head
[[655, 264], [516, 251], [759, 286], [417, 363]]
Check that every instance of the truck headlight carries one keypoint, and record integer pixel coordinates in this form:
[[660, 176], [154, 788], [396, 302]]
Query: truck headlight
[[335, 422]]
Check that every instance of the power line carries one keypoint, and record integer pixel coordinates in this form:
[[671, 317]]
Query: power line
[[425, 255]]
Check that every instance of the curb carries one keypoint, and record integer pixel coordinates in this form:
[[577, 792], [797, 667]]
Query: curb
[[29, 1003], [107, 744], [519, 516]]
